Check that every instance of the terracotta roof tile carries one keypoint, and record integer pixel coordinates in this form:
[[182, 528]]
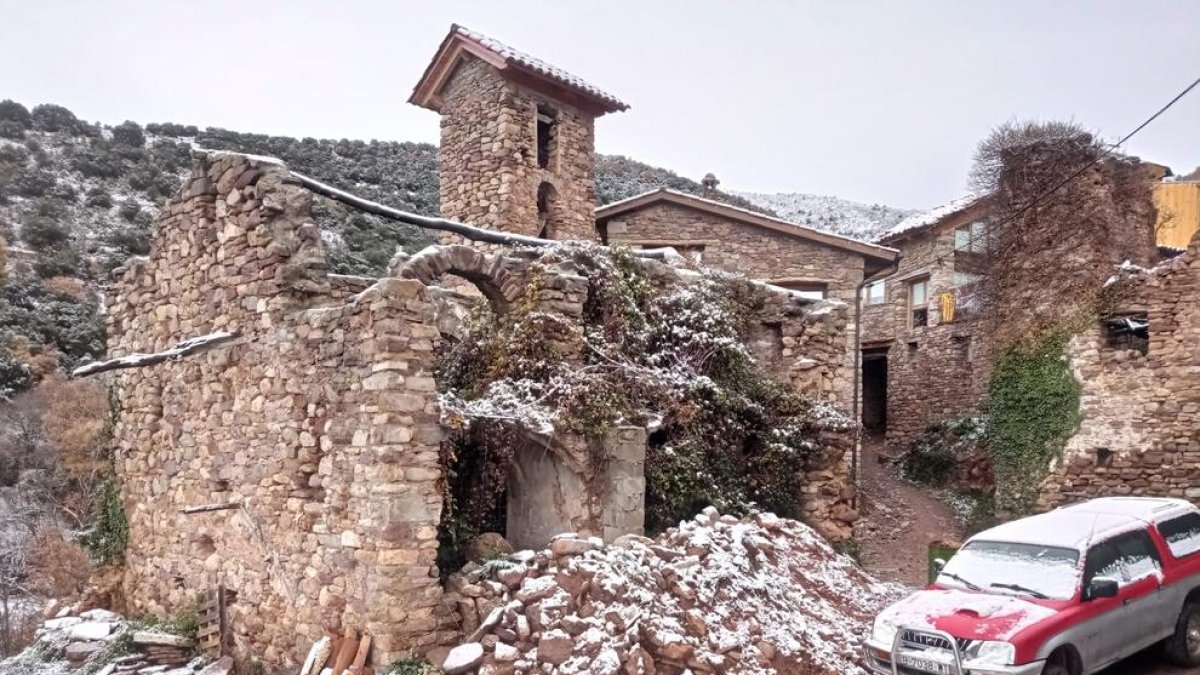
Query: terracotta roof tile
[[537, 65]]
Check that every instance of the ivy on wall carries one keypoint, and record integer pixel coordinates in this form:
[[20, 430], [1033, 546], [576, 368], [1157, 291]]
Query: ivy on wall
[[106, 539], [1033, 408], [673, 359]]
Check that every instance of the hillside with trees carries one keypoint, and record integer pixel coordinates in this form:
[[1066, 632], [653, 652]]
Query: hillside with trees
[[78, 198]]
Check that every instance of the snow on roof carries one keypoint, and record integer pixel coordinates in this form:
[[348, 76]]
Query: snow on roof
[[631, 203], [931, 217], [1077, 525], [539, 66]]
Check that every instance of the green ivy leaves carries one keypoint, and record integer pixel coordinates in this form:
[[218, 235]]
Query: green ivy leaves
[[1033, 408]]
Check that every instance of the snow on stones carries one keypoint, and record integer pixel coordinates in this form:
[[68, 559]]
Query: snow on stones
[[715, 595], [89, 643]]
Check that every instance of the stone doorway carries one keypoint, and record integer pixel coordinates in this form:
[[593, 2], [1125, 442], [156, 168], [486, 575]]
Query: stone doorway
[[874, 390]]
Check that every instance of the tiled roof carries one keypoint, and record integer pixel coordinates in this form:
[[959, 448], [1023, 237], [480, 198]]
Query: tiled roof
[[539, 66], [532, 71]]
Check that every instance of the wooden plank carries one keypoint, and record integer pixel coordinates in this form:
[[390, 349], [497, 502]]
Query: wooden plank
[[347, 652], [333, 652], [360, 659]]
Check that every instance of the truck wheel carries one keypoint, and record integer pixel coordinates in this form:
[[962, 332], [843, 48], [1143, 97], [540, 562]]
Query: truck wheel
[[1183, 647], [1059, 663]]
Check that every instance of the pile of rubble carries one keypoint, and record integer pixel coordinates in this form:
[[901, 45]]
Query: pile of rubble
[[100, 642], [715, 595]]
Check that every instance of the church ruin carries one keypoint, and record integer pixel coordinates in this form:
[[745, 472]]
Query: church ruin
[[295, 462]]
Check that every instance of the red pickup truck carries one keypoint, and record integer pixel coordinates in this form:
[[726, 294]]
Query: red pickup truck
[[1067, 592]]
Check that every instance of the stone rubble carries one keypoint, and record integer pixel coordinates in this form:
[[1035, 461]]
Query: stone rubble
[[718, 594], [102, 642]]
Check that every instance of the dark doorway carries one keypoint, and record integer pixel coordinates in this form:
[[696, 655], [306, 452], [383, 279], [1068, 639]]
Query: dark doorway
[[874, 390]]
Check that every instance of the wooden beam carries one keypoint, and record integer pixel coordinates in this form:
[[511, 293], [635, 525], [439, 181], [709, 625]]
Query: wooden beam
[[180, 350], [205, 508], [442, 224], [360, 659], [345, 655]]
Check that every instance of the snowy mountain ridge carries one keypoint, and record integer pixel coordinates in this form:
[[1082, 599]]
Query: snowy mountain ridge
[[867, 222]]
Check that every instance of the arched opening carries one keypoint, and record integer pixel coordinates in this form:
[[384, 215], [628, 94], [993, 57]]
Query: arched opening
[[480, 272], [547, 197]]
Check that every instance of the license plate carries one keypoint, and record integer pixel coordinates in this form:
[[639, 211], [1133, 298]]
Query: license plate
[[923, 664]]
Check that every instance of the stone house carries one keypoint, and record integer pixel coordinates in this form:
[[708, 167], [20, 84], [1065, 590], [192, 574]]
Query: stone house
[[919, 359], [813, 263], [297, 462], [927, 343]]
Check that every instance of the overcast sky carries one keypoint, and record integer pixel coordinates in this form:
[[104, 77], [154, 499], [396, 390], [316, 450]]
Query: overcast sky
[[881, 102]]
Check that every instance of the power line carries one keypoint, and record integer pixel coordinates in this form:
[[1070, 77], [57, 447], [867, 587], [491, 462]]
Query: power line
[[1108, 151]]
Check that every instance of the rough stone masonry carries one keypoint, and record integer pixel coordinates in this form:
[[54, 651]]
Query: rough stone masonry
[[314, 436]]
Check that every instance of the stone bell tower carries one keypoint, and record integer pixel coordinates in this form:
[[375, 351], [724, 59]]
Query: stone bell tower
[[517, 138]]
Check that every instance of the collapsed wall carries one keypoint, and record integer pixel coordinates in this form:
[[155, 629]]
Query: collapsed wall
[[1140, 396], [318, 427], [298, 465]]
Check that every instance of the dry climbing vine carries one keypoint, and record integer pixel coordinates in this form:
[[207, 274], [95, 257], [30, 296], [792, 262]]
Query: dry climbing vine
[[672, 359], [1044, 279]]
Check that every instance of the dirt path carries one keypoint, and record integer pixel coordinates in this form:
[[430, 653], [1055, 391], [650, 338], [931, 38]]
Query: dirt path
[[898, 521]]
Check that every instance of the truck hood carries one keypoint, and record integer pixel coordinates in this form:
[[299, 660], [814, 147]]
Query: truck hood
[[965, 614]]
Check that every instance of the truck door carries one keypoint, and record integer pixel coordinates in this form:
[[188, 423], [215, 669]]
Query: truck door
[[1101, 633], [1146, 605], [1133, 619]]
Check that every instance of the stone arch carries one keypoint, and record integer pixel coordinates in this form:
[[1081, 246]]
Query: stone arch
[[486, 272]]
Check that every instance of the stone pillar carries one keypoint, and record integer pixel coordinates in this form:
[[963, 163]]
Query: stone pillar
[[625, 502]]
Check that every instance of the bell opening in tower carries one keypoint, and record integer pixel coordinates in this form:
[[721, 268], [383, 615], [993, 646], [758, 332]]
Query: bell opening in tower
[[546, 131]]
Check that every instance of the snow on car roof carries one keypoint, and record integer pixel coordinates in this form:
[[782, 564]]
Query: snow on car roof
[[1077, 525]]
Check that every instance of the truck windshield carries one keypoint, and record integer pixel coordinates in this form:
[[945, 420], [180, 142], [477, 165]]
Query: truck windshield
[[1018, 569]]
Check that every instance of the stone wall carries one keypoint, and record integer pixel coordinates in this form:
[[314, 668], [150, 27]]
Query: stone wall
[[319, 425], [814, 355], [1138, 430], [489, 174], [739, 247], [315, 434]]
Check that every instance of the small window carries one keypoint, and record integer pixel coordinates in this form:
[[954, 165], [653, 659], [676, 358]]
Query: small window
[[694, 252], [1104, 457], [971, 238], [875, 293], [1182, 534], [918, 303], [1128, 331], [813, 290], [546, 131]]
